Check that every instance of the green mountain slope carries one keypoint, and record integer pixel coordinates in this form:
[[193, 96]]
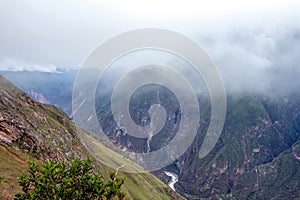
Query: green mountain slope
[[256, 157], [31, 131]]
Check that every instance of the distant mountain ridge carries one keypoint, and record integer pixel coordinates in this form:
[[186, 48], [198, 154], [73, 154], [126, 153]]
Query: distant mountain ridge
[[48, 88]]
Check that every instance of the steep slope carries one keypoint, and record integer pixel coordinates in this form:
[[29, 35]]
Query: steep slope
[[50, 88], [13, 163], [258, 131], [33, 131], [256, 157], [35, 128]]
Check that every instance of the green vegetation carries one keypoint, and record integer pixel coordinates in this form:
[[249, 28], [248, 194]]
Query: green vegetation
[[44, 132], [3, 180], [75, 180], [12, 164], [256, 157], [138, 185]]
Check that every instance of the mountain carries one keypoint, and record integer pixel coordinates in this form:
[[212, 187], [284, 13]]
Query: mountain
[[48, 88], [32, 131], [256, 156]]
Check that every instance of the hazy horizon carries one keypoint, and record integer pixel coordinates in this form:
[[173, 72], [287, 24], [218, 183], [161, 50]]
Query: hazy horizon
[[255, 44]]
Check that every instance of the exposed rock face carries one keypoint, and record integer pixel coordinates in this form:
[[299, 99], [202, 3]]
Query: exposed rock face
[[46, 132], [38, 96], [49, 88], [42, 130], [256, 156]]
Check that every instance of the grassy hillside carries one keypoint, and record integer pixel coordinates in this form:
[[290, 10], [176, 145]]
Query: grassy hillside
[[12, 164], [31, 131], [137, 185]]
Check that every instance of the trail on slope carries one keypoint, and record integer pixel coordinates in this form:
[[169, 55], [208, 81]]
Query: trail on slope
[[14, 156]]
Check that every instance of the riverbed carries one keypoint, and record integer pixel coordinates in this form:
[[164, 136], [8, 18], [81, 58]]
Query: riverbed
[[174, 179]]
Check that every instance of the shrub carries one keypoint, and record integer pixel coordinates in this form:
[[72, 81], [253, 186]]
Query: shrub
[[74, 180]]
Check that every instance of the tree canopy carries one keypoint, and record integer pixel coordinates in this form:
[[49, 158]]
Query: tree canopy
[[59, 180]]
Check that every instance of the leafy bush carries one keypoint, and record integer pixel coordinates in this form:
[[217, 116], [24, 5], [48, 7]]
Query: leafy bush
[[74, 180]]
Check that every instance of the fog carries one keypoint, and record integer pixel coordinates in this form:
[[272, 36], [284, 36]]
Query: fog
[[255, 44]]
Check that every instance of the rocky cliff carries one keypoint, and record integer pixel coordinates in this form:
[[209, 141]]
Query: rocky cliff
[[31, 131]]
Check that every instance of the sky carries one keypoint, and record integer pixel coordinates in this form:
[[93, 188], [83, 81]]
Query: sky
[[253, 43]]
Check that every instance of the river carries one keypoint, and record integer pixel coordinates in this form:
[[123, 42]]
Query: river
[[174, 179]]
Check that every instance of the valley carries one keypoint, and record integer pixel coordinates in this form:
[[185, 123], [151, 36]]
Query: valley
[[260, 134], [142, 100]]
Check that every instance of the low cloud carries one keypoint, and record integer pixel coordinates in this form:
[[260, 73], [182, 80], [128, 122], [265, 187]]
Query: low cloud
[[255, 44], [259, 54], [9, 64]]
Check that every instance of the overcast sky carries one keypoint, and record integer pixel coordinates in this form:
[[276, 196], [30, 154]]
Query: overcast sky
[[250, 41]]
